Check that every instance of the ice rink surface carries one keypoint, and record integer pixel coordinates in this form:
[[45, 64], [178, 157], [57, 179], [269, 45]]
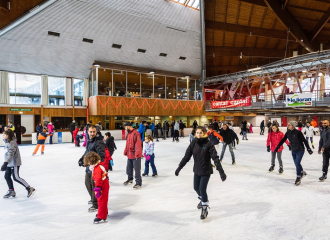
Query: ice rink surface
[[251, 204]]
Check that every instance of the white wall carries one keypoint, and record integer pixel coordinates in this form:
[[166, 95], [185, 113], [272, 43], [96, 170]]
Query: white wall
[[28, 122]]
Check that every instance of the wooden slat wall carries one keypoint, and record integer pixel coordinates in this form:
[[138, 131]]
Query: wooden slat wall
[[53, 112]]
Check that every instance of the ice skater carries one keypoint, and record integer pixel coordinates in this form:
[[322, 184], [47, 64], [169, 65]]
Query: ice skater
[[202, 150], [309, 131], [176, 131], [228, 136], [192, 135], [324, 148], [111, 146], [101, 189], [214, 137], [12, 165], [41, 141], [273, 139], [149, 156], [297, 141]]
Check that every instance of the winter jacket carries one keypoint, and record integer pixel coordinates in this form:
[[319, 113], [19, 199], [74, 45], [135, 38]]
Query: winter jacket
[[110, 144], [164, 126], [269, 124], [11, 127], [228, 135], [167, 126], [274, 139], [39, 129], [325, 139], [195, 125], [149, 148], [50, 128], [216, 126], [12, 155], [262, 124], [244, 127], [202, 150], [42, 137], [214, 137], [300, 124], [100, 175], [133, 148], [75, 132], [95, 145], [72, 127], [296, 139], [142, 130], [191, 137], [181, 126], [152, 127], [314, 123], [309, 131], [177, 126]]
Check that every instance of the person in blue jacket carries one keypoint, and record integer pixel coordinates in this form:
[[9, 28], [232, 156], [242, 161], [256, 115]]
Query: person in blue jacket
[[142, 130], [152, 127]]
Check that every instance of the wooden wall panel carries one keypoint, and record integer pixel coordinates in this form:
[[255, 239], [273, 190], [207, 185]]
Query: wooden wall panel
[[52, 112], [6, 110]]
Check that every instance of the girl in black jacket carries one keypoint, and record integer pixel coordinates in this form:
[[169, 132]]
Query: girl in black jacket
[[111, 145], [202, 150]]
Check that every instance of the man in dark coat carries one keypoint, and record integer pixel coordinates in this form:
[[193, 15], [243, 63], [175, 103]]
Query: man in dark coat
[[244, 130], [94, 144], [262, 127], [228, 136], [72, 128]]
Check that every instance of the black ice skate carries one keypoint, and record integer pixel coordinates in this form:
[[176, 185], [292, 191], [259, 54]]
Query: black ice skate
[[42, 153], [313, 146], [128, 182], [145, 174], [324, 176], [137, 186], [271, 168], [204, 211], [154, 175], [90, 202], [97, 220], [303, 174], [298, 181], [31, 192], [92, 209], [10, 193], [280, 170], [233, 163]]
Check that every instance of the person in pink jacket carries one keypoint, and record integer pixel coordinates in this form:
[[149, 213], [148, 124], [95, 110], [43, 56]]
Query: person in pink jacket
[[84, 134], [273, 139], [50, 131]]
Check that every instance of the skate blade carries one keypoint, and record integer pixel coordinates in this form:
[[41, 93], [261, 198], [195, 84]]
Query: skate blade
[[102, 221], [32, 193]]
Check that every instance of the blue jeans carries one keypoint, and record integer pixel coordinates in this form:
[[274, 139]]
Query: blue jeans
[[51, 139], [230, 149], [152, 163], [244, 135], [311, 138], [297, 157]]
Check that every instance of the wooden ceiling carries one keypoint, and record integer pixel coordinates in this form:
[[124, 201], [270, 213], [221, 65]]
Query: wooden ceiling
[[257, 30]]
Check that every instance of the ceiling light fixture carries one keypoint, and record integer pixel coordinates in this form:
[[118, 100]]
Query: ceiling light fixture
[[96, 65], [187, 76], [320, 74], [152, 72]]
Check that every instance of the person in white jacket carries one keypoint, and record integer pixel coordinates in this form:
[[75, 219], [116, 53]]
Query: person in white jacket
[[176, 131], [309, 131]]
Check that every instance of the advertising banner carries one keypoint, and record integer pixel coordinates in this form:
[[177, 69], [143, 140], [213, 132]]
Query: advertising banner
[[244, 102], [299, 100], [233, 88]]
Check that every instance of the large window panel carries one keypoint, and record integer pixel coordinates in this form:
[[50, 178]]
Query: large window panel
[[119, 83], [25, 89], [78, 91], [170, 88], [56, 91], [133, 84], [199, 93], [192, 94], [159, 86], [182, 89], [104, 81], [147, 86]]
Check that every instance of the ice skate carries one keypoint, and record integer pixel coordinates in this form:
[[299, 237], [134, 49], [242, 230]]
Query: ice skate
[[137, 186], [97, 220], [145, 174], [298, 181], [303, 174], [313, 146], [128, 182], [90, 202], [10, 193], [31, 192], [42, 153], [271, 168], [324, 176], [233, 163], [199, 206], [154, 175], [280, 170], [92, 209], [204, 211], [33, 154]]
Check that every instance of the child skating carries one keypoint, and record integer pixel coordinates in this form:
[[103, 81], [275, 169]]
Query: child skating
[[101, 189], [202, 150], [149, 156], [309, 131], [12, 165], [41, 141]]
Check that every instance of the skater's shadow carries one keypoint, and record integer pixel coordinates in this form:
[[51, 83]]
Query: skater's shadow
[[117, 216]]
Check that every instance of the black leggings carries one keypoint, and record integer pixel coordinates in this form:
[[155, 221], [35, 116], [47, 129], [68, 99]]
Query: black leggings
[[15, 172], [200, 185]]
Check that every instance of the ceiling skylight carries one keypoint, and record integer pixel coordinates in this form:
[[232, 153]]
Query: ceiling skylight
[[188, 3]]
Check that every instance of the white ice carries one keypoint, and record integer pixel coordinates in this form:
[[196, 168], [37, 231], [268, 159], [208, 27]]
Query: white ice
[[251, 204]]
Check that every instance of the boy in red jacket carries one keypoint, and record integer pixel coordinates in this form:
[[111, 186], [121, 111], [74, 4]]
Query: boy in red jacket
[[75, 133], [93, 160]]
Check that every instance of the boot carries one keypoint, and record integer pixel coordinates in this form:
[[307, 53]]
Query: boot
[[97, 220], [280, 170], [128, 182], [303, 174], [324, 176], [298, 181], [144, 174], [233, 163], [204, 211], [10, 193], [271, 168], [31, 191]]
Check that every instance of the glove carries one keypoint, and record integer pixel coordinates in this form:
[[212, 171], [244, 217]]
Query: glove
[[177, 171], [144, 155], [289, 147], [308, 150], [98, 192], [4, 166], [81, 162], [268, 148], [147, 158], [237, 141], [223, 176], [276, 149]]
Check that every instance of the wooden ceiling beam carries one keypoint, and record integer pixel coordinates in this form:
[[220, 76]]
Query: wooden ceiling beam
[[319, 26], [288, 20], [256, 31], [236, 51]]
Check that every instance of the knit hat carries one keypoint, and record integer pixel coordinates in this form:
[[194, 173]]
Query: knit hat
[[293, 123]]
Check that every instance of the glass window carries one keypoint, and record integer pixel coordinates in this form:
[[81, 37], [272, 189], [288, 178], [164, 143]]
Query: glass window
[[146, 86], [199, 93], [24, 89], [182, 89], [62, 122], [191, 89], [104, 81], [81, 122], [159, 86], [78, 91], [133, 84], [119, 83], [170, 87], [95, 90], [56, 91], [91, 84]]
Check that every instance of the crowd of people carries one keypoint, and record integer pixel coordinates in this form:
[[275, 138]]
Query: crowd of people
[[203, 146]]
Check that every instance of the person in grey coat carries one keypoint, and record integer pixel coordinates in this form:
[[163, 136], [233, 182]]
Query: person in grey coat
[[12, 165], [176, 131]]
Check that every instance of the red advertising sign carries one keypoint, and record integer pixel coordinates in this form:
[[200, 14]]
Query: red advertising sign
[[232, 103]]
